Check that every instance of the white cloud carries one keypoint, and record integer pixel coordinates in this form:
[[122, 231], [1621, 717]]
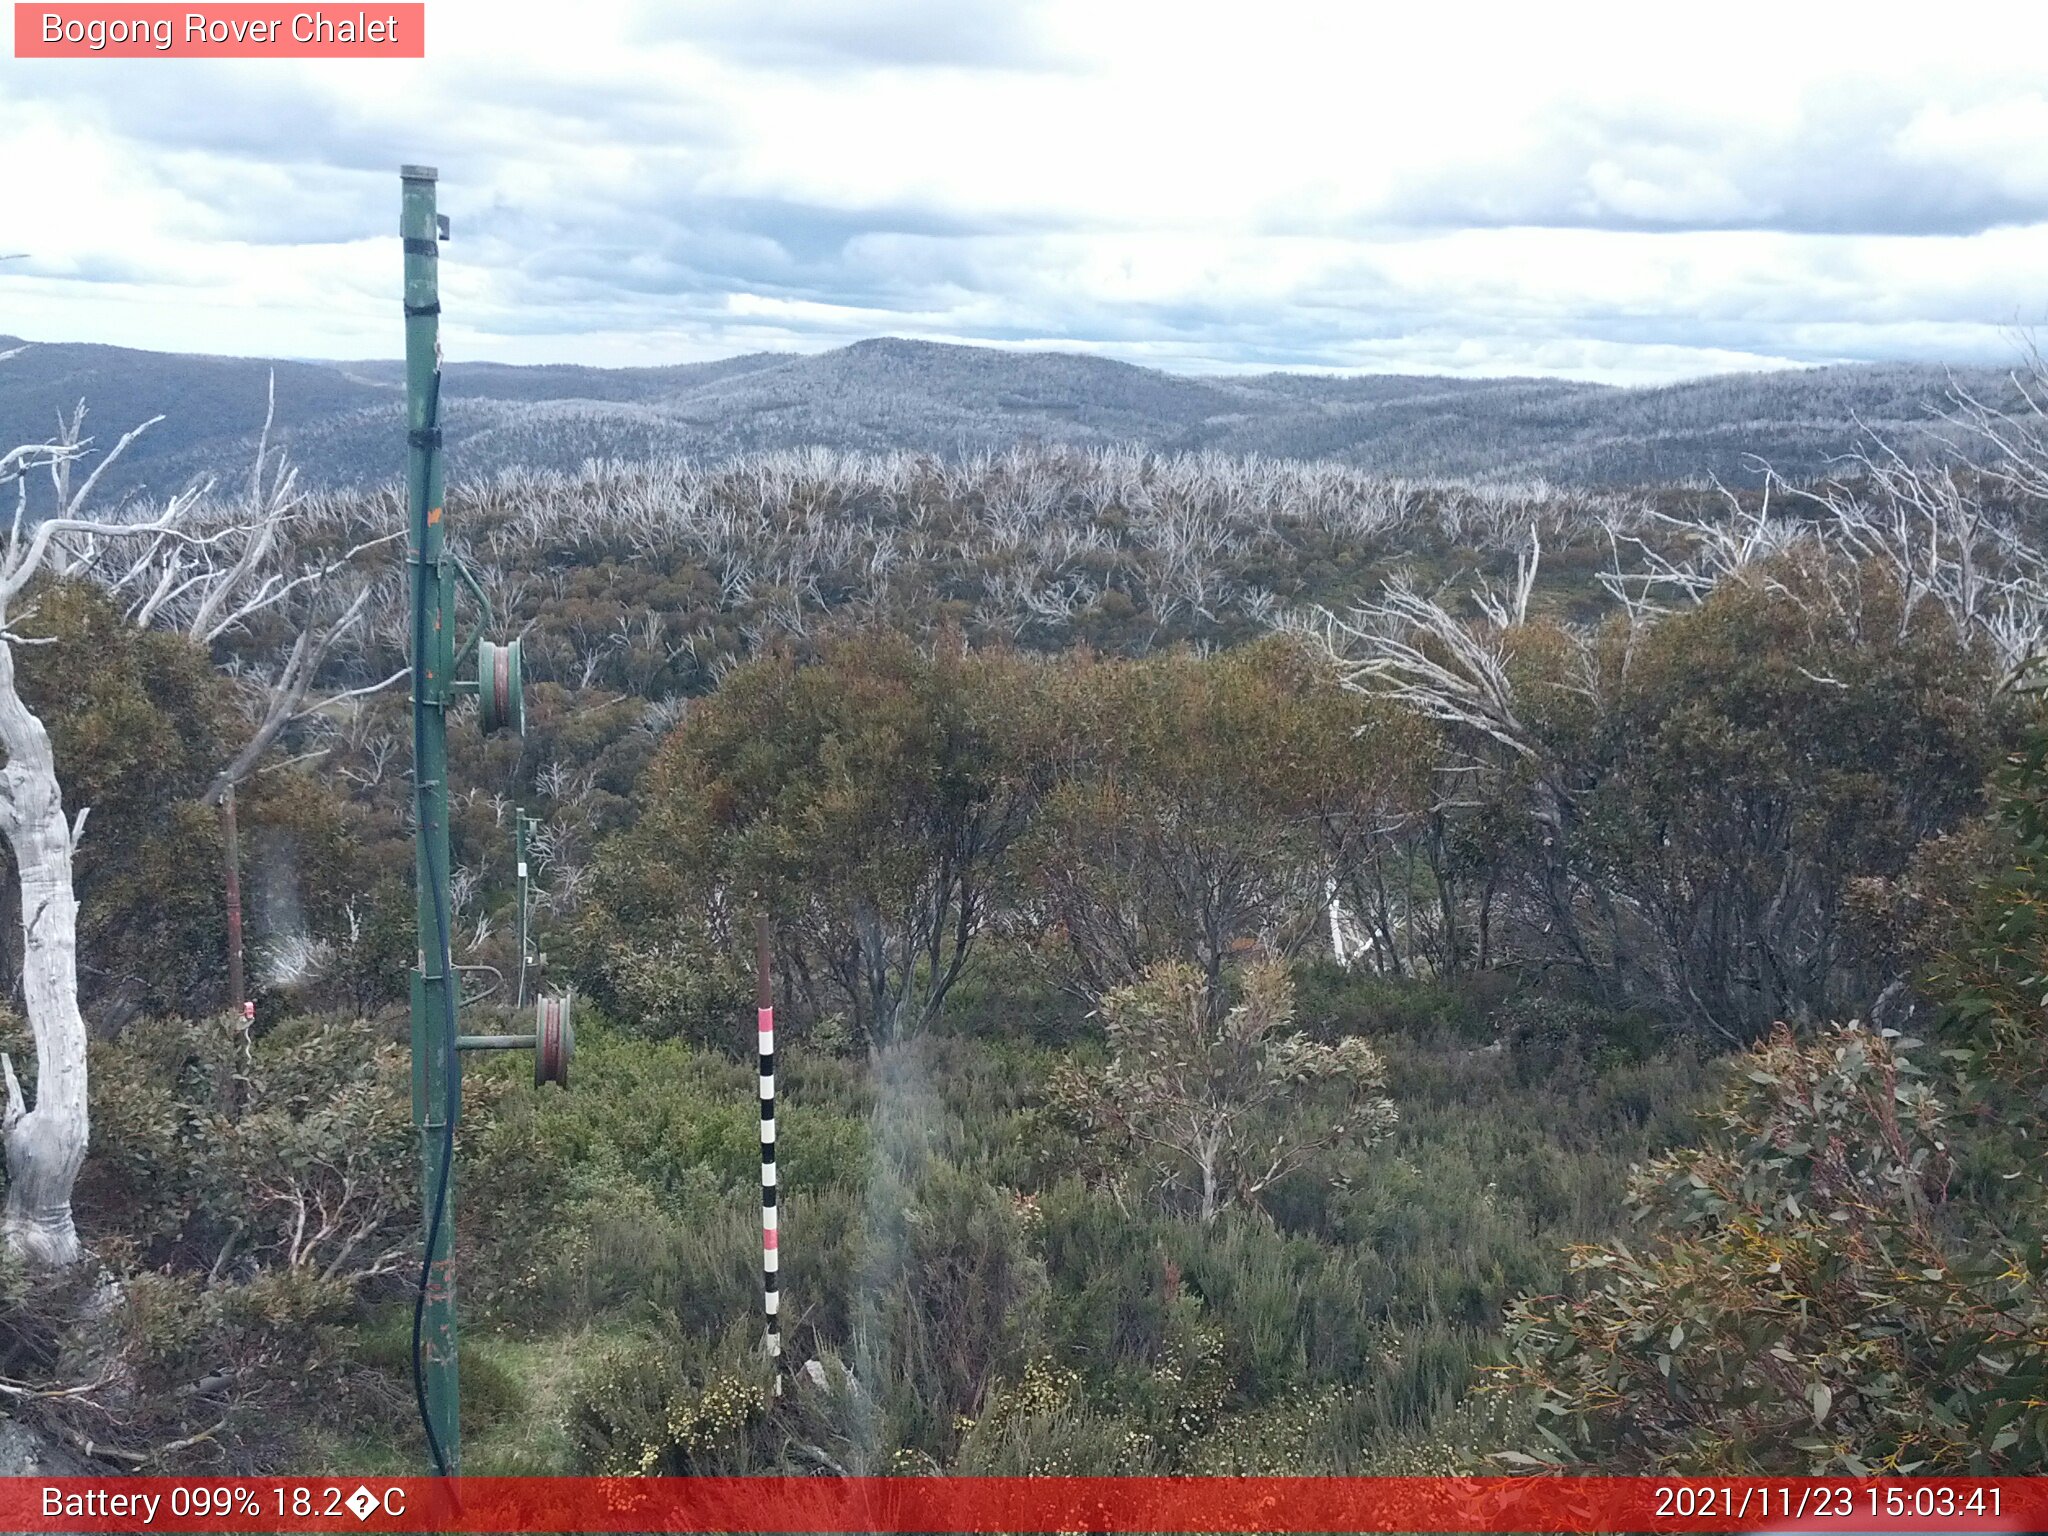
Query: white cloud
[[1596, 191]]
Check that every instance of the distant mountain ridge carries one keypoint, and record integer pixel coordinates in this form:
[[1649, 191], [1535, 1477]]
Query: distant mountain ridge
[[342, 421]]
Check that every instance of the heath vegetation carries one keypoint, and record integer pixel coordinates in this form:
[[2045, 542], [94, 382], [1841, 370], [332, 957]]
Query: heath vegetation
[[1279, 969]]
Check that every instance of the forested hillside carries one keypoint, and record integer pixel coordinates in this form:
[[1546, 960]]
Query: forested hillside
[[340, 421], [1280, 968]]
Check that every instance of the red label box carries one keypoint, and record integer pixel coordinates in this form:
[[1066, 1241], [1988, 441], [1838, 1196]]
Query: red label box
[[234, 31], [1227, 1506]]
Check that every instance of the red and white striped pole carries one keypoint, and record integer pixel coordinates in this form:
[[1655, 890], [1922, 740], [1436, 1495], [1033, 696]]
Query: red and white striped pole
[[771, 1293]]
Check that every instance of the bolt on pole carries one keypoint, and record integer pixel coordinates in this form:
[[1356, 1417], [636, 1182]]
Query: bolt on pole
[[436, 1071]]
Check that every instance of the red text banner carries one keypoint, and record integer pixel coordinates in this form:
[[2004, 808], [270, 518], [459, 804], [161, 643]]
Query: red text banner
[[1108, 1505], [234, 31]]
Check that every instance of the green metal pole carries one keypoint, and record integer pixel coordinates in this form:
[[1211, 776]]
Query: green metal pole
[[436, 1082], [519, 851]]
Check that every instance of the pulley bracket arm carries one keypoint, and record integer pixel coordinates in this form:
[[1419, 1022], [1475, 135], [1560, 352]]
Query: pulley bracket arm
[[553, 1042]]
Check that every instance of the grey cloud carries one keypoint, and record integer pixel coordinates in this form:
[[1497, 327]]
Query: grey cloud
[[273, 163], [995, 291], [638, 247], [647, 246], [1841, 169], [214, 108], [843, 34]]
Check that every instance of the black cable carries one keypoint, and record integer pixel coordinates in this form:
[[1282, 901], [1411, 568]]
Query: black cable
[[446, 955]]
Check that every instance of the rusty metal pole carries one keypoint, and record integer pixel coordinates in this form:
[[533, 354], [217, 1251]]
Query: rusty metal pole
[[238, 995]]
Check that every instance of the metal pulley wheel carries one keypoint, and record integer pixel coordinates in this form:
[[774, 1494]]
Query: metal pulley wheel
[[554, 1041], [500, 687]]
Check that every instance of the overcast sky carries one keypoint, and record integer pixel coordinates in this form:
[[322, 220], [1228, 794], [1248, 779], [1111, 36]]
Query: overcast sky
[[1628, 194]]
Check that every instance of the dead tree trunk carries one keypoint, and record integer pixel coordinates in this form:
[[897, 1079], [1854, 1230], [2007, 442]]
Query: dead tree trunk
[[46, 1144]]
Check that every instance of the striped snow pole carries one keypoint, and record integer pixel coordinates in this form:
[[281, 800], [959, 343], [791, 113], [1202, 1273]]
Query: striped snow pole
[[771, 1293]]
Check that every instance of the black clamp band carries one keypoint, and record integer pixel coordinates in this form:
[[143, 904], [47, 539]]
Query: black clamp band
[[416, 311], [424, 437], [417, 247]]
